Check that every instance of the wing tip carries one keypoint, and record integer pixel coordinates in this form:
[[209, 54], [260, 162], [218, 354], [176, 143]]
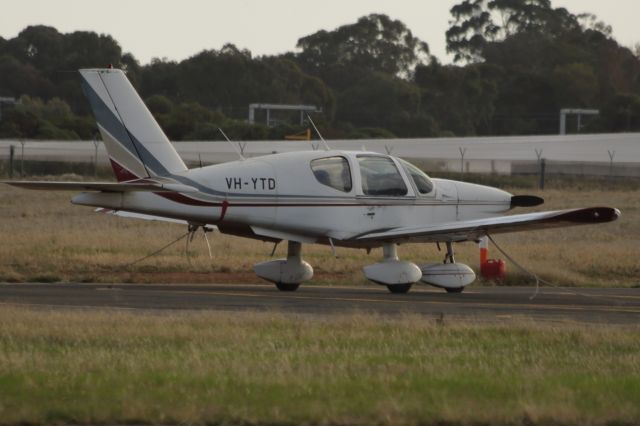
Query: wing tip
[[593, 215]]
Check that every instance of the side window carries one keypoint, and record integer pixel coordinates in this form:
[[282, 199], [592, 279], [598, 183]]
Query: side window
[[422, 181], [333, 172], [380, 176]]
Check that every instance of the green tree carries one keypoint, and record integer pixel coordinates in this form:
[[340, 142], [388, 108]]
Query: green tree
[[461, 99], [622, 113], [160, 77], [17, 78], [476, 23], [575, 85], [471, 27], [159, 104], [380, 100], [374, 43], [18, 123], [40, 46]]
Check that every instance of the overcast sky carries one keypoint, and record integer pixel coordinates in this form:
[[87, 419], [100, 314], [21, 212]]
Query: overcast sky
[[179, 29]]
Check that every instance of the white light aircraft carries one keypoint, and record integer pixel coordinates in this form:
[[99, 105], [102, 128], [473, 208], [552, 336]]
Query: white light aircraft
[[338, 198]]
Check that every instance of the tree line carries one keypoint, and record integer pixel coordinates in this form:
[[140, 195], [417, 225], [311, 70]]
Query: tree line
[[517, 63]]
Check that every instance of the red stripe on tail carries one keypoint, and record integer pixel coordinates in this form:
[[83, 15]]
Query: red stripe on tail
[[122, 174]]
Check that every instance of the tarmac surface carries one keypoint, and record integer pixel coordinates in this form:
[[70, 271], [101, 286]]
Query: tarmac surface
[[605, 306]]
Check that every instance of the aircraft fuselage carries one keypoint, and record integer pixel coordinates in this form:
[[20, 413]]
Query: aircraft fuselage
[[285, 197]]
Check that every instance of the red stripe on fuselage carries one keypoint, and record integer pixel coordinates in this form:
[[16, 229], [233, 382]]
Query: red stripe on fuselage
[[179, 198]]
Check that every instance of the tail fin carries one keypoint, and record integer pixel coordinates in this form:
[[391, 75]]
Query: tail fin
[[136, 144]]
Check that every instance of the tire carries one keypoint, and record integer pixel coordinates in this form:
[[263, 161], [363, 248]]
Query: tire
[[399, 288], [454, 290], [287, 287]]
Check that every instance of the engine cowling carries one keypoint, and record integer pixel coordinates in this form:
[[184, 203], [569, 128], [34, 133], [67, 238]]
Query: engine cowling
[[447, 275]]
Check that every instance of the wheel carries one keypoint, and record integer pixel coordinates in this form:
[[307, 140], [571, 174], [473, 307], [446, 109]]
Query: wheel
[[399, 288], [287, 287], [454, 290]]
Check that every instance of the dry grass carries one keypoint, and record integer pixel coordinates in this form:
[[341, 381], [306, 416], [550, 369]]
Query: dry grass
[[45, 238], [117, 367]]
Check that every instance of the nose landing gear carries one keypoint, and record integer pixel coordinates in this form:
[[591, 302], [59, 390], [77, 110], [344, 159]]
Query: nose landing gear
[[451, 276]]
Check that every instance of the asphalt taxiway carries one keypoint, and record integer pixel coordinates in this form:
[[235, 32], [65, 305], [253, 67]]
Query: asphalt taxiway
[[612, 306]]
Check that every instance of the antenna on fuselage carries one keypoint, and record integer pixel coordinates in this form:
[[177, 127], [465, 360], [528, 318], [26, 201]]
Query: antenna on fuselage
[[235, 148], [326, 145]]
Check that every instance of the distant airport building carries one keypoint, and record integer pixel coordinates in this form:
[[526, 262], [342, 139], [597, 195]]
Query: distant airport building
[[302, 109]]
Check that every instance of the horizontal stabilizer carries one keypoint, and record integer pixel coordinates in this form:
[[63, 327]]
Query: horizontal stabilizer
[[473, 229], [142, 185], [132, 215]]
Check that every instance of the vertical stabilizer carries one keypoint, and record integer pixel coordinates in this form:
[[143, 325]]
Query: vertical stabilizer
[[136, 144]]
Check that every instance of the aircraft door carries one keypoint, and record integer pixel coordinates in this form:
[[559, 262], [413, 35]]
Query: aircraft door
[[386, 197]]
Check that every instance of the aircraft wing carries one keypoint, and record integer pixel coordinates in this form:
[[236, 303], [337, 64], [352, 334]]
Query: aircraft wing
[[474, 229], [143, 185]]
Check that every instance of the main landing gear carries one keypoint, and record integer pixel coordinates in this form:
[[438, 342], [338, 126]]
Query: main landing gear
[[449, 257], [287, 287], [286, 274], [397, 275], [400, 288]]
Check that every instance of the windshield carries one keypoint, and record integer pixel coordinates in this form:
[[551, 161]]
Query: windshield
[[420, 178]]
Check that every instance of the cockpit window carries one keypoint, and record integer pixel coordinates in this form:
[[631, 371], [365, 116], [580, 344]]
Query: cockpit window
[[422, 181], [380, 176], [333, 172]]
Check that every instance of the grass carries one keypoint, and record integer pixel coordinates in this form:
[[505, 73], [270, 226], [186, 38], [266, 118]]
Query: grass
[[114, 366], [120, 367], [45, 238]]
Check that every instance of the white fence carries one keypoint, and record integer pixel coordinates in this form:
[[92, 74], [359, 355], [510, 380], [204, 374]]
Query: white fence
[[600, 154]]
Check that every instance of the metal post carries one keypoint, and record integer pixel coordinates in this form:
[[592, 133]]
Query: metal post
[[539, 154], [579, 122], [95, 158], [12, 150], [612, 155], [22, 159], [462, 152], [543, 166]]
